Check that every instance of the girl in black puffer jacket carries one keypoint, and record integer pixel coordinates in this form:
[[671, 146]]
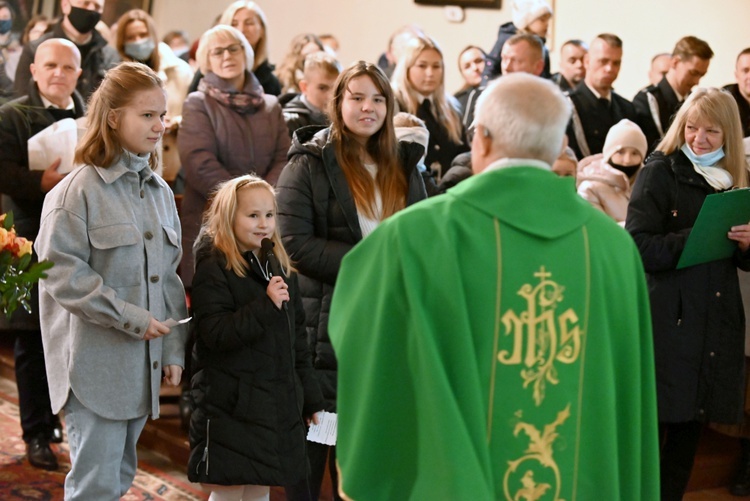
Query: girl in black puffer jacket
[[254, 384]]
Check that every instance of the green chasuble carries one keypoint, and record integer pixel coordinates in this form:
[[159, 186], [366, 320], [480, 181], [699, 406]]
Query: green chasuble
[[495, 343]]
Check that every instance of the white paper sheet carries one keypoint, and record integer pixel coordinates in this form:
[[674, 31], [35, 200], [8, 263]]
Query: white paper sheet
[[59, 140], [325, 431], [172, 322]]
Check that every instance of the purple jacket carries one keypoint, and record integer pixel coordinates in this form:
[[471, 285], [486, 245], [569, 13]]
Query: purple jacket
[[217, 143]]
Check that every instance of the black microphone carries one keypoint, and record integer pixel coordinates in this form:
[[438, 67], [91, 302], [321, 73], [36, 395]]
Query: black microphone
[[266, 246]]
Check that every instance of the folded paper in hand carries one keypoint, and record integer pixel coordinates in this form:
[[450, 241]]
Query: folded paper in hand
[[325, 431], [173, 323]]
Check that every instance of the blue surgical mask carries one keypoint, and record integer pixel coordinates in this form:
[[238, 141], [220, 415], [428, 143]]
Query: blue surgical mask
[[5, 26], [140, 51], [705, 160]]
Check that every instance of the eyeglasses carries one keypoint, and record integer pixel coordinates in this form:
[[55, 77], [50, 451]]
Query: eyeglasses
[[219, 51]]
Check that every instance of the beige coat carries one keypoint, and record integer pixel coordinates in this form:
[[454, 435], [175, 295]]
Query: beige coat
[[605, 187]]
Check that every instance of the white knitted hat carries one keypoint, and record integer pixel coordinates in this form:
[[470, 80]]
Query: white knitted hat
[[623, 134], [526, 12]]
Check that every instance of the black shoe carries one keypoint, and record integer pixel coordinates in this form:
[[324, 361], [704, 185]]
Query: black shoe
[[741, 485], [40, 455], [57, 433]]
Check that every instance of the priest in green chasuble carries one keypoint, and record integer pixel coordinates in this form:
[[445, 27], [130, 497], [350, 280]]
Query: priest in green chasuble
[[495, 342]]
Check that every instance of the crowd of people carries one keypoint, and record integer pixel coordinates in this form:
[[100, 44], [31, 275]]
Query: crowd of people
[[283, 173]]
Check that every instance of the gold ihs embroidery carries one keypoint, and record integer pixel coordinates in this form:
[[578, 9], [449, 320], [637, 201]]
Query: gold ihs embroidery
[[539, 337]]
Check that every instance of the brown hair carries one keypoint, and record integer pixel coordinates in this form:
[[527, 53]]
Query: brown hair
[[535, 43], [100, 144], [610, 39], [719, 108], [122, 24], [687, 47], [39, 18], [218, 223], [382, 146]]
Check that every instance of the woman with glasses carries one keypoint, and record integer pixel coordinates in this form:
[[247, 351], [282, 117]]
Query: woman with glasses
[[229, 128]]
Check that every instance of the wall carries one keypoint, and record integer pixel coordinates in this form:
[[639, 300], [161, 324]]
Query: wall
[[363, 27]]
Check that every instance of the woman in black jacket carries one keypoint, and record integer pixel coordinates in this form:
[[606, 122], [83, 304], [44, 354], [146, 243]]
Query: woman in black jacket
[[253, 384], [341, 182], [697, 312]]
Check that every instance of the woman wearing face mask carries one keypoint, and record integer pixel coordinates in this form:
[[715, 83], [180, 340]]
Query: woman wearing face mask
[[605, 179], [136, 40], [697, 312]]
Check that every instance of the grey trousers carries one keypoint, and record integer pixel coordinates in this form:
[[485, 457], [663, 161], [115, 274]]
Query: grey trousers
[[102, 453]]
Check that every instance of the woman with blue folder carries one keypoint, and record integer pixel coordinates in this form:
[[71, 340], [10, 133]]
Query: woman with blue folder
[[697, 314]]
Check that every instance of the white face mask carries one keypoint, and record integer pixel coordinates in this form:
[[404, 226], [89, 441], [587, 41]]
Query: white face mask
[[705, 160]]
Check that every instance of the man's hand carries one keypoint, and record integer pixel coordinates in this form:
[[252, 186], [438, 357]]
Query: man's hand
[[51, 176]]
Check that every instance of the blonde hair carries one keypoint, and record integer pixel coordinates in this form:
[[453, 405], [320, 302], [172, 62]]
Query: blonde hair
[[322, 61], [130, 16], [719, 108], [218, 223], [407, 95], [222, 31], [291, 67], [382, 146], [261, 49], [101, 144]]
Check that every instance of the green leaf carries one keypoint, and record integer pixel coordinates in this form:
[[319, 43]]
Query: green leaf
[[23, 262], [8, 223]]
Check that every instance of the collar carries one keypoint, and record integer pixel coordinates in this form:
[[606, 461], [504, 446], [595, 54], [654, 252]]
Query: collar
[[49, 104], [422, 97], [304, 100], [677, 95], [504, 163], [599, 96], [120, 167]]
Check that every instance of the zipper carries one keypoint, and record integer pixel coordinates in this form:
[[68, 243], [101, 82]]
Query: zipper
[[204, 458]]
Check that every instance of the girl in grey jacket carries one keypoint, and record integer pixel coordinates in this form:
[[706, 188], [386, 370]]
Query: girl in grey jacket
[[112, 231]]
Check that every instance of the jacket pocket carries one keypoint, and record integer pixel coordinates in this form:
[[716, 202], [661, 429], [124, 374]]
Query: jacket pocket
[[115, 254], [172, 237], [205, 458]]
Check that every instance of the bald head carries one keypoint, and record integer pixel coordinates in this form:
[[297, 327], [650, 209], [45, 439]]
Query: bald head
[[56, 68], [60, 46], [519, 116]]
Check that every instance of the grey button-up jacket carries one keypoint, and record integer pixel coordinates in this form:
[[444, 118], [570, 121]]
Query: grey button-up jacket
[[114, 236]]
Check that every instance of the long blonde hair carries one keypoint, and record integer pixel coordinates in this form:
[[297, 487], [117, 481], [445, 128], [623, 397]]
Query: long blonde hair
[[719, 108], [261, 50], [218, 223], [407, 95], [101, 145], [382, 147]]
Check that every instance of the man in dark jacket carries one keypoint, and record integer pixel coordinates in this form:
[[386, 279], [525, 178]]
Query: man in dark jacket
[[741, 90], [571, 71], [49, 98], [77, 25], [596, 106], [657, 104]]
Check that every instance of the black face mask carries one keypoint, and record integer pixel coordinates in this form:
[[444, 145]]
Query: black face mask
[[628, 170], [83, 20]]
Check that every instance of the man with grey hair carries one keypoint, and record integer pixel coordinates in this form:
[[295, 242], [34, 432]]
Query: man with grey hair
[[498, 365]]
